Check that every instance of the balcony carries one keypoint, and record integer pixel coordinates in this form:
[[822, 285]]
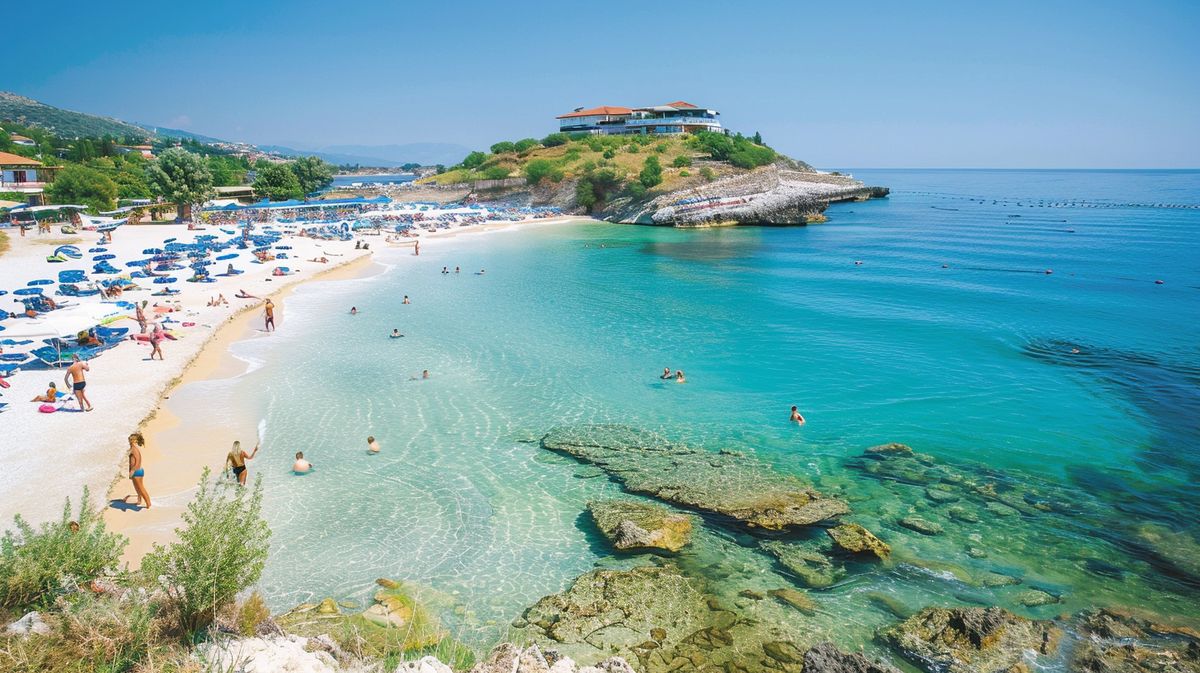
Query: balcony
[[30, 187], [674, 121]]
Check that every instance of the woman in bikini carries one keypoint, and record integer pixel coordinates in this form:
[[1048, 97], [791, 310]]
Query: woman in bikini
[[136, 472], [237, 461]]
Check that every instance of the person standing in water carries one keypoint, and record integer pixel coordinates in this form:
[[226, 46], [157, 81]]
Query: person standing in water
[[136, 471], [236, 460], [796, 417], [76, 379], [372, 445], [301, 466], [679, 377], [269, 315]]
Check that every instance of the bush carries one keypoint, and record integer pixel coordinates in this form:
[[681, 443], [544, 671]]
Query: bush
[[737, 150], [495, 173], [474, 160], [502, 147], [524, 145], [87, 186], [633, 148], [708, 174], [651, 174], [221, 551], [251, 613], [684, 173], [585, 195], [578, 135], [538, 169], [608, 154], [661, 148], [636, 190], [555, 139], [36, 563], [595, 144], [681, 161]]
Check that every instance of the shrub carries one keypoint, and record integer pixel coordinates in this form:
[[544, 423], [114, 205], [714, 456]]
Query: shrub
[[474, 160], [737, 150], [684, 173], [571, 154], [636, 190], [524, 145], [708, 174], [221, 551], [651, 174], [609, 153], [595, 144], [579, 135], [35, 563], [681, 161], [502, 147], [585, 195], [661, 148], [633, 148], [555, 139], [495, 173], [252, 612], [538, 169]]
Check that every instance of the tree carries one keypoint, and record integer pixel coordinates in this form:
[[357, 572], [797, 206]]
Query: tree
[[79, 184], [222, 549], [180, 177], [474, 160], [651, 174], [682, 161], [525, 144], [538, 169], [757, 138], [585, 194], [495, 173], [277, 182], [312, 174], [503, 147], [555, 139]]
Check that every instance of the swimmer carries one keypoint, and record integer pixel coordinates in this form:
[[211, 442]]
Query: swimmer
[[796, 417], [301, 466], [353, 310], [445, 269], [481, 272], [1074, 351], [679, 377], [424, 375], [666, 373], [456, 269], [372, 445], [406, 300], [396, 333]]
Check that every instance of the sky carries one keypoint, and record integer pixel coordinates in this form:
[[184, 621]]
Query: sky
[[921, 84]]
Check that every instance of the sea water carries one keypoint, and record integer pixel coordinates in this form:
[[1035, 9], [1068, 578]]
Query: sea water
[[1007, 321]]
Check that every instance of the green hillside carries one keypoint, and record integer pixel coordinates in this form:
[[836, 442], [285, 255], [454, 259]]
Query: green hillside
[[63, 123]]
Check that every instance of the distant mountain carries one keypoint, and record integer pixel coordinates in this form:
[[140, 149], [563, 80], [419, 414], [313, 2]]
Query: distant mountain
[[65, 123], [179, 133]]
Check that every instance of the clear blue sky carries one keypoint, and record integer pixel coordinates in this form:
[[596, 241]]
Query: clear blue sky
[[864, 84]]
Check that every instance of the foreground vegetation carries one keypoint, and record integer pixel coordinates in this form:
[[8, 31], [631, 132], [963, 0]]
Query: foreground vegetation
[[100, 618], [606, 166]]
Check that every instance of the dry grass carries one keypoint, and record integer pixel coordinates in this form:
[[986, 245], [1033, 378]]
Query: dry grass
[[4, 244], [70, 240]]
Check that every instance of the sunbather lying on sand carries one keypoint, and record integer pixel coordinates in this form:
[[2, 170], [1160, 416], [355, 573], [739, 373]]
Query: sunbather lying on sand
[[242, 294]]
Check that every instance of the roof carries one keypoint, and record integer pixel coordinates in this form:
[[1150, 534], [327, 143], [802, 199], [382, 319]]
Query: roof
[[679, 104], [602, 110], [7, 159], [15, 136]]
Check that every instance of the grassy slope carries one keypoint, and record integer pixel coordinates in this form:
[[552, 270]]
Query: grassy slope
[[624, 162], [64, 123]]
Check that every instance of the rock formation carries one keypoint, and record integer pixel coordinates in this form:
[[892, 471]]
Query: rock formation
[[722, 483], [632, 526], [970, 640]]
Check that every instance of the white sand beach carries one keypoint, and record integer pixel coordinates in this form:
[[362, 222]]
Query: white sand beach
[[52, 456]]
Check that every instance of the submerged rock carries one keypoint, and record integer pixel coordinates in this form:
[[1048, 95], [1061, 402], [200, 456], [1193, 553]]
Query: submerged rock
[[969, 640], [796, 599], [637, 526], [813, 568], [1035, 597], [854, 539], [916, 523], [827, 658], [738, 487], [1120, 642]]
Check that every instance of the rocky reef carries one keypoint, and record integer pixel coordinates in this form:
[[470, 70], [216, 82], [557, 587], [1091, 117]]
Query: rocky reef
[[1113, 641], [640, 526], [724, 483], [779, 194], [971, 640]]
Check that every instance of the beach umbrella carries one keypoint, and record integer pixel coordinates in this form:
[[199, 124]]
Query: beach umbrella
[[152, 251], [27, 291], [232, 255], [40, 281], [100, 258], [97, 249], [170, 240], [164, 280]]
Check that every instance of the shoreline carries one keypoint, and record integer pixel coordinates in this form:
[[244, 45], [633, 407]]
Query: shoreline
[[171, 481]]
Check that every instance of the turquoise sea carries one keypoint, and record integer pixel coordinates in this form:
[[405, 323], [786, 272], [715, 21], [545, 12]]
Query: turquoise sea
[[951, 336]]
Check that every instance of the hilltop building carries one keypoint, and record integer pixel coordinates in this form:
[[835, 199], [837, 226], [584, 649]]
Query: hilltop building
[[677, 117], [22, 174]]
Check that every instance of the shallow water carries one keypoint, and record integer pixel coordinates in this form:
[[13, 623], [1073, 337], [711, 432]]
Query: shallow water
[[950, 337]]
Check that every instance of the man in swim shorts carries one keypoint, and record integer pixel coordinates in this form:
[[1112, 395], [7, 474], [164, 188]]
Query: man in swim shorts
[[76, 379], [136, 472], [269, 311], [796, 417]]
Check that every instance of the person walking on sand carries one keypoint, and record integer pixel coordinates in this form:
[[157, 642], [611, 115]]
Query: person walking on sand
[[140, 315], [372, 445], [156, 339], [417, 249], [78, 381], [236, 460], [136, 472], [269, 315], [796, 417]]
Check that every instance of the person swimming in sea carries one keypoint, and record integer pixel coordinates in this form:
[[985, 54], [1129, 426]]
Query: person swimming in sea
[[666, 373], [679, 377], [456, 269], [406, 300], [372, 445], [353, 310], [445, 269], [396, 333], [301, 466], [796, 417]]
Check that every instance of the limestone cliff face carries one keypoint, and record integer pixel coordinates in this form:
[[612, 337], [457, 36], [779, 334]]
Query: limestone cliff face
[[787, 192]]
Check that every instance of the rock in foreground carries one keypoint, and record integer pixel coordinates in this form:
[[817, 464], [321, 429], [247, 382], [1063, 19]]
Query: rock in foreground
[[633, 526], [970, 640], [723, 483], [827, 658]]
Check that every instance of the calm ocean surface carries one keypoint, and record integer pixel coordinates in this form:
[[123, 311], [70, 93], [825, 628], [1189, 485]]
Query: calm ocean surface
[[950, 337]]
